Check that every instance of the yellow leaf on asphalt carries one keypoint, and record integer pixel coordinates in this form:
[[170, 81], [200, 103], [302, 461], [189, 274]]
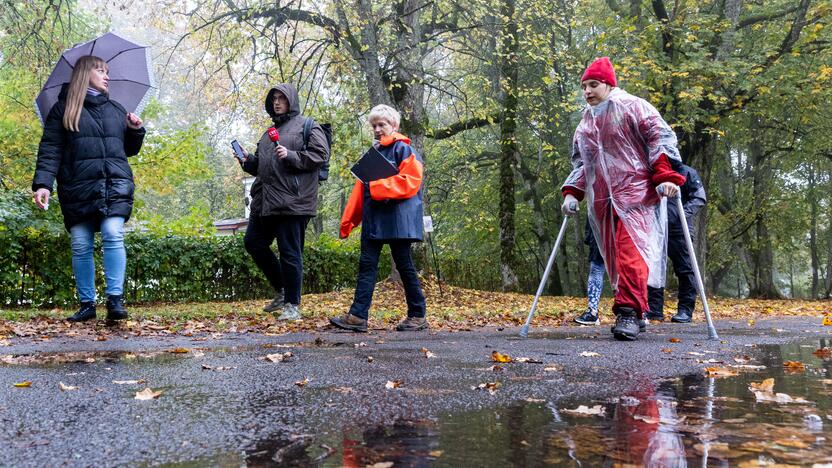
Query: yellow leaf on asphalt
[[147, 394], [65, 388], [720, 372], [497, 357], [24, 384], [827, 321]]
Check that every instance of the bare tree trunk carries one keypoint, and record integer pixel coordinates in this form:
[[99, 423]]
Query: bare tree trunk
[[813, 230], [761, 249], [508, 147]]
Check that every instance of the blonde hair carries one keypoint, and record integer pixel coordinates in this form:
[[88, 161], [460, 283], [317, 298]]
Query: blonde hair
[[385, 112], [78, 85]]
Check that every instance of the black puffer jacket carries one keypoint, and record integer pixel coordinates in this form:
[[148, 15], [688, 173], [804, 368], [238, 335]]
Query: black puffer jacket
[[90, 165], [288, 186]]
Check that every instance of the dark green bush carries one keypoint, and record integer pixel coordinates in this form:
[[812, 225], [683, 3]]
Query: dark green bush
[[36, 269]]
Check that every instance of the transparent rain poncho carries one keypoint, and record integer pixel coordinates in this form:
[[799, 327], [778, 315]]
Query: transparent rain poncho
[[614, 149]]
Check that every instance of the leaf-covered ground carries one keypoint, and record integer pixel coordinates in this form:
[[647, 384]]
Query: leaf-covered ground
[[452, 309]]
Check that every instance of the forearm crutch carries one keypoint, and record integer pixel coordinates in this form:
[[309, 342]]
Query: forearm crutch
[[700, 286], [524, 330]]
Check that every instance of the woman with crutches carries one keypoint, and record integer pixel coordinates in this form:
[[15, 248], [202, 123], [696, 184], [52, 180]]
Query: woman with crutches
[[623, 151]]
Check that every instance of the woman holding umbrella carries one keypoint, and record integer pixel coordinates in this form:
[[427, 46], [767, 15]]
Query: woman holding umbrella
[[87, 138]]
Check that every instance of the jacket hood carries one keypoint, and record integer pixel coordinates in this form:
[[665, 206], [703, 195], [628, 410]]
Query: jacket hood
[[388, 140], [291, 94]]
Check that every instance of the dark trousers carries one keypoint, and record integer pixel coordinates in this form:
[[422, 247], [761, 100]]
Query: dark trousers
[[368, 270], [289, 231], [677, 250]]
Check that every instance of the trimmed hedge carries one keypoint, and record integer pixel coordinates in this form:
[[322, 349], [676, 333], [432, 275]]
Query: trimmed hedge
[[36, 268]]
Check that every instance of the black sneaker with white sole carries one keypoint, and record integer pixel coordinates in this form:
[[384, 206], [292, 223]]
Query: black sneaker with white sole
[[588, 318]]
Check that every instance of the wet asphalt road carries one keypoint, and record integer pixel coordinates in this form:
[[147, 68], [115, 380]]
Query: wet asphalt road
[[223, 417]]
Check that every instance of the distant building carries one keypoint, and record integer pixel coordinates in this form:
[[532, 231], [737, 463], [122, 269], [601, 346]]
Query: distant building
[[229, 227]]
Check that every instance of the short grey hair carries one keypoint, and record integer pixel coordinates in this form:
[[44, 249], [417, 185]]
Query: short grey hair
[[385, 112]]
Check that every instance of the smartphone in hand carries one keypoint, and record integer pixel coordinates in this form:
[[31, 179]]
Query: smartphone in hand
[[238, 150]]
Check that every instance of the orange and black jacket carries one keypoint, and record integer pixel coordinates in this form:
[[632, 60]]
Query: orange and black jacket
[[391, 208]]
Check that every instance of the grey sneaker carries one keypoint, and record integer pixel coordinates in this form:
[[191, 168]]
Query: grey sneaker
[[276, 303], [290, 312]]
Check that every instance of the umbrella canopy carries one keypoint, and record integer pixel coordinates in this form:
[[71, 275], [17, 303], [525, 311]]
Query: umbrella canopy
[[131, 77]]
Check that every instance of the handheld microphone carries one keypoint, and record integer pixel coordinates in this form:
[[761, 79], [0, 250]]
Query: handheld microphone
[[274, 136]]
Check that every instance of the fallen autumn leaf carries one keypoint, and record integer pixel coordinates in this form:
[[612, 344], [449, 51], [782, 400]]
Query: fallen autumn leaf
[[65, 388], [147, 394], [497, 357], [583, 410]]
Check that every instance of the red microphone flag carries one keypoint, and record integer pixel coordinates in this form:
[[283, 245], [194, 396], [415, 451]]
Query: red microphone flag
[[274, 136]]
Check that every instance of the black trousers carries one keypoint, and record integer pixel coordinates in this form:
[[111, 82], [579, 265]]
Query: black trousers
[[368, 271], [677, 250], [289, 231]]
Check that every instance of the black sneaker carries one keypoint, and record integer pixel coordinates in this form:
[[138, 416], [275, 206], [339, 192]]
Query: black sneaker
[[683, 316], [115, 308], [626, 326], [588, 318], [86, 312]]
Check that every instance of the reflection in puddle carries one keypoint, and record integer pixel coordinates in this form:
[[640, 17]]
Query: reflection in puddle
[[693, 420]]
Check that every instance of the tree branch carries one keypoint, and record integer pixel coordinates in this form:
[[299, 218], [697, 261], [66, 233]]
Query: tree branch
[[763, 18], [461, 126]]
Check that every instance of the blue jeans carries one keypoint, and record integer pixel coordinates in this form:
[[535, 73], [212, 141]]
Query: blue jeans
[[82, 236]]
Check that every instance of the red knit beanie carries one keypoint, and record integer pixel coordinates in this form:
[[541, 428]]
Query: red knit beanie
[[601, 70]]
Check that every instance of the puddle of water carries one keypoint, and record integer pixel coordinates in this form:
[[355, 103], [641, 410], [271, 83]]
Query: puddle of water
[[692, 420]]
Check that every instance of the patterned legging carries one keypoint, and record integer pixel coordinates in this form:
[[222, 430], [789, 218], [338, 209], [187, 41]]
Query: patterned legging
[[594, 285]]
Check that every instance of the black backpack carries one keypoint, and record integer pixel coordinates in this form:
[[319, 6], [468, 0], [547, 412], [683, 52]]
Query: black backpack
[[323, 172]]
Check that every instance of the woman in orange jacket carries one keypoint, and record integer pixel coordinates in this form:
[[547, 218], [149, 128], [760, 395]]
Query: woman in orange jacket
[[391, 212]]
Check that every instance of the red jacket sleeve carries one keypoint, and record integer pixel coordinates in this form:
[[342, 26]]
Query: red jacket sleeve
[[353, 211], [403, 185], [574, 191], [663, 172]]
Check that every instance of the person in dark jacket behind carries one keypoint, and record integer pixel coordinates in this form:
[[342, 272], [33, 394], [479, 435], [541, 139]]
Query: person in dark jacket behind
[[693, 199], [86, 140], [391, 212], [284, 197]]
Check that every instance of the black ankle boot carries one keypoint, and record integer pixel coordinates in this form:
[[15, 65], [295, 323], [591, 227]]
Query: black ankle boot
[[115, 308], [86, 312]]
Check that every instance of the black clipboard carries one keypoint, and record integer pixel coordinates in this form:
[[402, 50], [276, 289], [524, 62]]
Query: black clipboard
[[373, 166]]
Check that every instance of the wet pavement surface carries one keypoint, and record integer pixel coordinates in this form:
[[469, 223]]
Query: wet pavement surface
[[418, 399]]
